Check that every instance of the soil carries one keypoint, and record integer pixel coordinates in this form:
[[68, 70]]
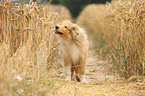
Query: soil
[[97, 68]]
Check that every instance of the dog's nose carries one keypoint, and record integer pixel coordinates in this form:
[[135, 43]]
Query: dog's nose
[[56, 27]]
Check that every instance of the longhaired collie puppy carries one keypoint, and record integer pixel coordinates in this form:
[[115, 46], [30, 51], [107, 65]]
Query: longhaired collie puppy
[[74, 48]]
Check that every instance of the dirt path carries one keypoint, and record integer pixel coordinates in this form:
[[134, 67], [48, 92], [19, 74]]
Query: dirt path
[[97, 68]]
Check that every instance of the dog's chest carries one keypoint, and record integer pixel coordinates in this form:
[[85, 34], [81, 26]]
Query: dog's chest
[[71, 51]]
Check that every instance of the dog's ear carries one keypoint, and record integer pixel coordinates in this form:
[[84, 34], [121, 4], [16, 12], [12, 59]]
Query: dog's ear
[[74, 31]]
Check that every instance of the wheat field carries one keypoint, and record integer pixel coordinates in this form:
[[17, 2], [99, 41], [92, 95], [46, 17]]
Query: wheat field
[[30, 59], [119, 28], [27, 40]]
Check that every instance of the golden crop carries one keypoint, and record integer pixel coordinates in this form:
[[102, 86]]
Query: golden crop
[[119, 28], [26, 42]]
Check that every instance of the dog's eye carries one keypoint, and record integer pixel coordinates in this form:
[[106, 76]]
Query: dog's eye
[[65, 27]]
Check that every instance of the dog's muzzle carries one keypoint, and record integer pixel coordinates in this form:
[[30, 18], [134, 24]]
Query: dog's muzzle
[[57, 32]]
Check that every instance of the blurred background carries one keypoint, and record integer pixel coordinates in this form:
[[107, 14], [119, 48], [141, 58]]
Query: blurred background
[[75, 6]]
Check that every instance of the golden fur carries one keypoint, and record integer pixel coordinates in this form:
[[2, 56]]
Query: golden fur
[[74, 47]]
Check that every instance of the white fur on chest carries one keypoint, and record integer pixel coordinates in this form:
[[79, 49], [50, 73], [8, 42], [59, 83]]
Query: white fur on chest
[[71, 51]]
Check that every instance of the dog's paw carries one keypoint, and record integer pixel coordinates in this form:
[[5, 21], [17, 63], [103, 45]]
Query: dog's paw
[[83, 79]]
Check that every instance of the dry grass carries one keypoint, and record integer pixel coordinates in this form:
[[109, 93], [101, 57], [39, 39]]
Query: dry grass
[[120, 33], [26, 38], [115, 88]]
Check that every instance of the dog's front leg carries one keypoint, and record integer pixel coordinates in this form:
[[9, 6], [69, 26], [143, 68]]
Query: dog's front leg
[[82, 70], [67, 69]]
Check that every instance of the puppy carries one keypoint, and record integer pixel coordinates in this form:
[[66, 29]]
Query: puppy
[[74, 47]]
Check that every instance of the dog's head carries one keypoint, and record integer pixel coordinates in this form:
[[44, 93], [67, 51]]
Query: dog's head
[[67, 30]]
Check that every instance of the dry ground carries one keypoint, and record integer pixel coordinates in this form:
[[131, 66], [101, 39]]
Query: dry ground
[[103, 82], [98, 69]]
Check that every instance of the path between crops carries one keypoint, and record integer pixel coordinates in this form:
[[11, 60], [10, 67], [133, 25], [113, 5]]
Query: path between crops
[[102, 81], [97, 68]]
